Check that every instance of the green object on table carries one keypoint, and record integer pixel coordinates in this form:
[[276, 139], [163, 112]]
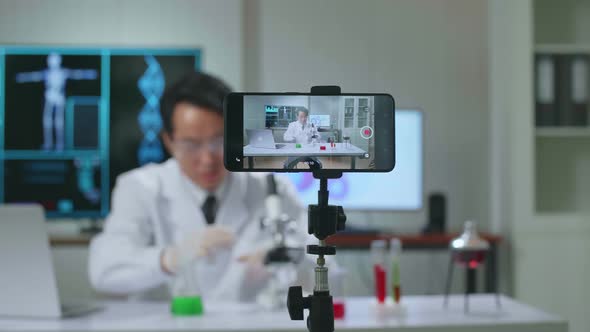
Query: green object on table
[[187, 306], [298, 145]]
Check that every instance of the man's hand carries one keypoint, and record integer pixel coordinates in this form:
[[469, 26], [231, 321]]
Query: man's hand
[[255, 258], [214, 237], [255, 268], [196, 245]]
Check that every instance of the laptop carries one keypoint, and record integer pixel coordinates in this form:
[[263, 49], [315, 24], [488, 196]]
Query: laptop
[[28, 286], [262, 138]]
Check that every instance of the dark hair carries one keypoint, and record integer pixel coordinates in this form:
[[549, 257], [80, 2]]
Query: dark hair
[[304, 110], [196, 88]]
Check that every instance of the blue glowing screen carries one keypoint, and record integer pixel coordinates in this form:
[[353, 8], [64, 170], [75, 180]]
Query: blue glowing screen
[[72, 120]]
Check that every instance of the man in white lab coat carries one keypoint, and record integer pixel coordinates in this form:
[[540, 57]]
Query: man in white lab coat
[[190, 208], [301, 131]]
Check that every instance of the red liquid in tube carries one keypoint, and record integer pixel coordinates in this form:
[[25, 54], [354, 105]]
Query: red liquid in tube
[[380, 289], [397, 294], [339, 309]]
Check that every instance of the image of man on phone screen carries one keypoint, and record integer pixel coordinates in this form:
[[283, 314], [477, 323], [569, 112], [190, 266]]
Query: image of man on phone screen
[[301, 131]]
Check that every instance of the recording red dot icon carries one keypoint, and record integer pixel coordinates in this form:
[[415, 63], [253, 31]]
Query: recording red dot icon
[[366, 132]]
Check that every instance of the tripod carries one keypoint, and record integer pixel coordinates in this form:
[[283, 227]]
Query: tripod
[[323, 220]]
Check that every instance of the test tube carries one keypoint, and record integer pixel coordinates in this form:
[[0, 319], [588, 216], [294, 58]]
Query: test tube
[[395, 250], [378, 255], [337, 289]]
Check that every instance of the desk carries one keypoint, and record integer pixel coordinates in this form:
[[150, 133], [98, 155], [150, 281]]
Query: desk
[[307, 150], [424, 314]]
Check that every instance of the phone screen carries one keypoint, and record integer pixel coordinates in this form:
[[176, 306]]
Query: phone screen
[[304, 132]]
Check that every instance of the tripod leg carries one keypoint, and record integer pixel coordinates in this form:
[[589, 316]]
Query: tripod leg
[[470, 287], [471, 280], [449, 280]]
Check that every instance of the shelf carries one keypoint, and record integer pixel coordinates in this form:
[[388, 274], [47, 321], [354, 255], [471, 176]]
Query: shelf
[[563, 48], [415, 241], [564, 132]]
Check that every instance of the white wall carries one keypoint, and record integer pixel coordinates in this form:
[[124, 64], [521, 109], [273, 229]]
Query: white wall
[[427, 54], [213, 25], [327, 105]]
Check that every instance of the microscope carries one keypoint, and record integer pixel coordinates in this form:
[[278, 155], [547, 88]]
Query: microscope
[[281, 259]]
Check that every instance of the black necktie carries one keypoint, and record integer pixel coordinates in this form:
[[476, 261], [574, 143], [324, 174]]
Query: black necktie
[[209, 209]]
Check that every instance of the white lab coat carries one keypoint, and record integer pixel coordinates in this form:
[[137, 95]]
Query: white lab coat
[[300, 133], [151, 210]]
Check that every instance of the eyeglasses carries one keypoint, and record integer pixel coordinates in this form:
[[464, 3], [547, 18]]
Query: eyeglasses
[[190, 147]]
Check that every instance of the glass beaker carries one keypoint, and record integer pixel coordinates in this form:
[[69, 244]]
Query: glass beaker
[[282, 275], [346, 141], [186, 294]]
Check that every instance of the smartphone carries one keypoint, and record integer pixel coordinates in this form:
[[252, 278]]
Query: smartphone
[[303, 132]]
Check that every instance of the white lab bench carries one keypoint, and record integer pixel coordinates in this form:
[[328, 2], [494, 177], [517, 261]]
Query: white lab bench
[[306, 150], [423, 313]]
